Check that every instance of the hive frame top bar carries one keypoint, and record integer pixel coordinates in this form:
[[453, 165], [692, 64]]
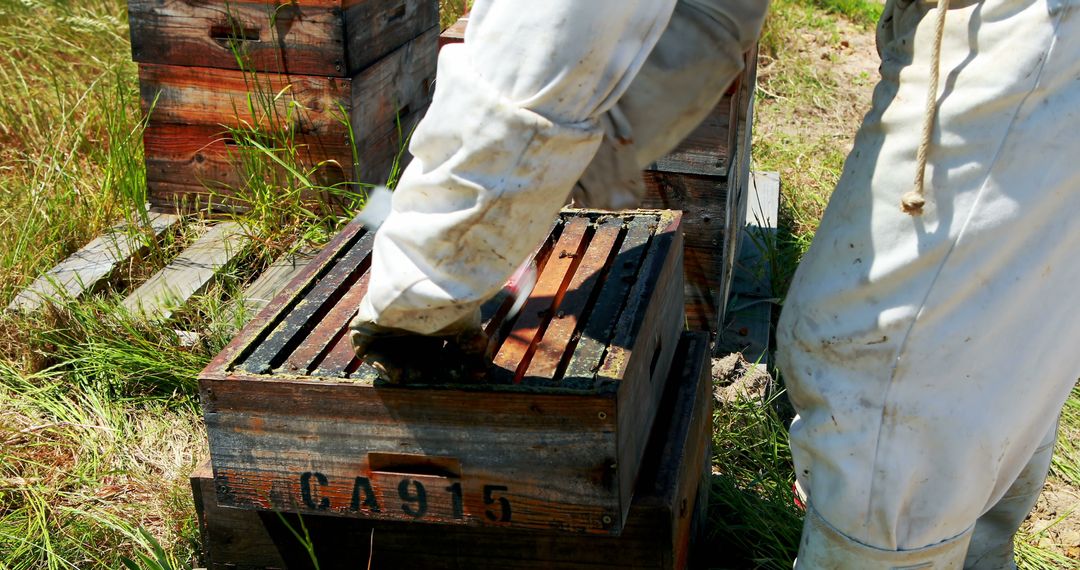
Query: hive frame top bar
[[599, 274]]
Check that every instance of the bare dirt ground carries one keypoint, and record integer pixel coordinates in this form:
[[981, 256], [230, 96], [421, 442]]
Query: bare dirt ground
[[847, 61], [1062, 534]]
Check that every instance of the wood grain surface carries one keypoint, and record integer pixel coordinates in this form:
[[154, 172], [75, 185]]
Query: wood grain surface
[[387, 100], [287, 398], [553, 349], [659, 531], [92, 265], [306, 37], [274, 278], [205, 124], [168, 290]]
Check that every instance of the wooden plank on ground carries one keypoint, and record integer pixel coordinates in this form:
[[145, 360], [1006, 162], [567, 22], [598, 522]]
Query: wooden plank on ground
[[170, 289], [752, 265], [91, 265], [748, 326]]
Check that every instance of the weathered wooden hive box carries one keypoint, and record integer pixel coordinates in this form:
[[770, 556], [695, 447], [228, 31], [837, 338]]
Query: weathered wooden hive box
[[313, 76], [554, 438], [669, 502]]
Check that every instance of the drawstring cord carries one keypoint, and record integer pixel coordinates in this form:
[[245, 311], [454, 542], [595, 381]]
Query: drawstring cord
[[912, 203]]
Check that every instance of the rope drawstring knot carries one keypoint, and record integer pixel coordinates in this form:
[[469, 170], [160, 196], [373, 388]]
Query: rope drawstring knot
[[912, 202]]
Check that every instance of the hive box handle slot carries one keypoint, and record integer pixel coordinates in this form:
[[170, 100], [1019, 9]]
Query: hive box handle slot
[[412, 464], [656, 356], [397, 14], [226, 34]]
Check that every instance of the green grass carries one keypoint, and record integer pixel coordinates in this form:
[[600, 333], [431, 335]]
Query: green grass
[[798, 131], [753, 522], [1066, 462], [89, 411], [450, 10], [804, 125], [862, 12], [99, 419], [70, 145]]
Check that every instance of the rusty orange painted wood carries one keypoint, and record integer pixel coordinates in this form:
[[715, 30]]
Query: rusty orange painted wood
[[552, 349], [199, 118], [189, 162], [208, 96], [335, 440], [340, 359], [494, 312], [670, 495], [307, 37], [517, 349]]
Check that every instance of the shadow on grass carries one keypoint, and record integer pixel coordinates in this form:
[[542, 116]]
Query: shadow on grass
[[753, 521]]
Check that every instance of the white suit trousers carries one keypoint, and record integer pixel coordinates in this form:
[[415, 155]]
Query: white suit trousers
[[928, 356]]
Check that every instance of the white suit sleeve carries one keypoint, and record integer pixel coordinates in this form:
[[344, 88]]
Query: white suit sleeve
[[512, 125], [683, 79]]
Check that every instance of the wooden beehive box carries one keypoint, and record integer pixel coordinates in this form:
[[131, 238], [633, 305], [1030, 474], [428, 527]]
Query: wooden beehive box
[[668, 504], [335, 38], [706, 177], [554, 440], [296, 74]]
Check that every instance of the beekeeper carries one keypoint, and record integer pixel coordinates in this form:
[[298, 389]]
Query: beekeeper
[[926, 338]]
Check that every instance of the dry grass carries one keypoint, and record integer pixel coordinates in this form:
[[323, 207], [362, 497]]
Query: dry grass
[[99, 419]]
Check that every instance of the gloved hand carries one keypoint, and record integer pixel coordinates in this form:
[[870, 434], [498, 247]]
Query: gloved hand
[[460, 352]]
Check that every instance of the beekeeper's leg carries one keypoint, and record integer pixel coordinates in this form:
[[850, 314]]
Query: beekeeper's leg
[[991, 545], [512, 125], [928, 356], [698, 56]]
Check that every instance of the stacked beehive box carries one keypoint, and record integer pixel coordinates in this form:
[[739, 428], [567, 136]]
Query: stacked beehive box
[[545, 463], [553, 439], [666, 513], [298, 74], [707, 177]]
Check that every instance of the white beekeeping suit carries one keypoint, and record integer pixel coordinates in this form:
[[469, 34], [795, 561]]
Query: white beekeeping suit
[[520, 110], [924, 355], [928, 357]]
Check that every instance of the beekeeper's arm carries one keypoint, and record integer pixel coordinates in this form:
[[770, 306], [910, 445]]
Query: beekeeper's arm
[[519, 112]]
